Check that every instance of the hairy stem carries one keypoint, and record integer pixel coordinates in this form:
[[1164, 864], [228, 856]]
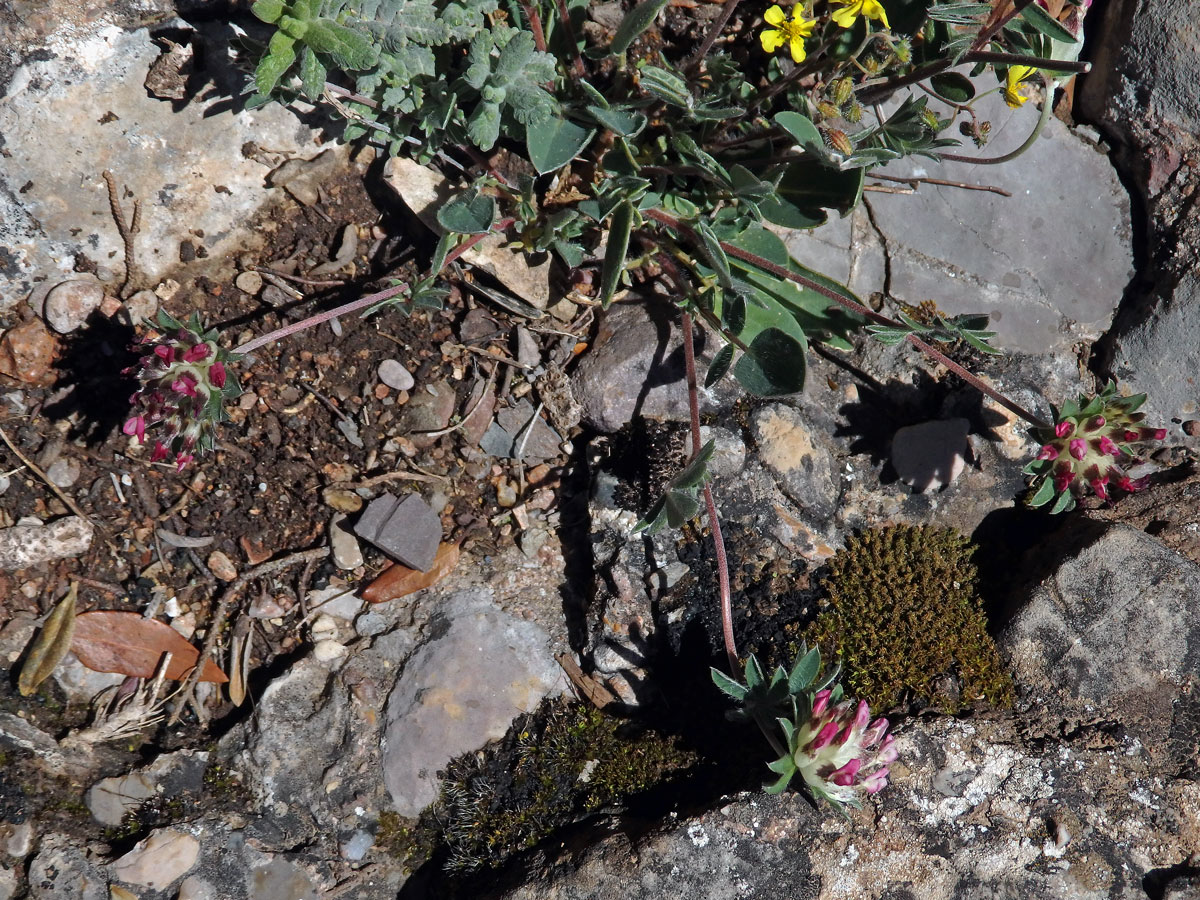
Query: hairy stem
[[1047, 109], [535, 24], [713, 33], [361, 302]]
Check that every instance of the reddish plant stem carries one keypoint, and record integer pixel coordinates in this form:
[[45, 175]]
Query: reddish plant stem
[[565, 17], [714, 522], [781, 272], [535, 24], [361, 302]]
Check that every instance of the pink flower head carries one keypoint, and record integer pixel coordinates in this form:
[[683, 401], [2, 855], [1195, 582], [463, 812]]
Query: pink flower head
[[1078, 448], [216, 375], [197, 353], [1063, 479], [181, 460], [876, 781], [1048, 451], [1108, 448], [136, 425], [1100, 486], [875, 732], [185, 384], [164, 352], [845, 775], [820, 701], [825, 735], [1063, 429], [1133, 485], [160, 452], [1095, 423]]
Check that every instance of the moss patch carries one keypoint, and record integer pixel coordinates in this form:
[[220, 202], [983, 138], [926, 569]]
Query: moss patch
[[902, 612]]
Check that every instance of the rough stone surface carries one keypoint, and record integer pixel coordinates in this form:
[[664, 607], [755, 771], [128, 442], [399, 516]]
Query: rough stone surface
[[109, 799], [280, 880], [407, 529], [1114, 635], [971, 813], [634, 368], [1048, 264], [62, 871], [459, 690], [428, 409], [159, 860], [28, 545], [27, 353], [800, 456], [54, 205]]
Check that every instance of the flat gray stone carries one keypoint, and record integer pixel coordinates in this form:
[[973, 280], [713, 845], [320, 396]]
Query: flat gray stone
[[518, 434], [1048, 265], [1115, 632], [800, 457], [62, 871], [460, 690], [407, 529]]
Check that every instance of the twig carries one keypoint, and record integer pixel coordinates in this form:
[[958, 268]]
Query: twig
[[390, 476], [296, 278], [900, 179], [565, 17], [884, 189], [126, 230], [714, 31], [222, 610], [36, 470]]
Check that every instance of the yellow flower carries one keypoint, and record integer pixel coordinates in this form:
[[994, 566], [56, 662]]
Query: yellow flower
[[787, 32], [1016, 76], [852, 9]]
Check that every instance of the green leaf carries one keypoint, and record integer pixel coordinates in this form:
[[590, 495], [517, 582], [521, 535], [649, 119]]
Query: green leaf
[[483, 128], [623, 122], [1043, 494], [281, 53], [572, 254], [715, 255], [444, 245], [809, 185], [695, 473], [773, 365], [312, 74], [268, 10], [1047, 24], [1064, 503], [754, 675], [468, 213], [720, 365], [778, 211], [729, 686], [954, 86], [800, 127], [830, 677], [666, 86], [348, 49], [635, 22], [614, 255], [554, 142], [805, 670], [680, 508]]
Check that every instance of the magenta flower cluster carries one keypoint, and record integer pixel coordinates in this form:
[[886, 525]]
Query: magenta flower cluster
[[1091, 447], [183, 387], [840, 752]]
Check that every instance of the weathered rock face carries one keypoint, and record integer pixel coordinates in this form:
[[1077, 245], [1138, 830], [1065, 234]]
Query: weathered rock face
[[972, 812], [1112, 639]]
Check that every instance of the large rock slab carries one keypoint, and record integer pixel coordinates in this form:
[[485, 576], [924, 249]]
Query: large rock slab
[[1113, 636], [1048, 264], [79, 108], [970, 812], [459, 690]]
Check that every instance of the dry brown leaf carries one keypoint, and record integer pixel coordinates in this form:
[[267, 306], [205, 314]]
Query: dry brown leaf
[[125, 642], [400, 581], [51, 645], [239, 660]]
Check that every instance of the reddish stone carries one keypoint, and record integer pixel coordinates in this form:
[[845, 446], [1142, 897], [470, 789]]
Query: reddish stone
[[27, 353]]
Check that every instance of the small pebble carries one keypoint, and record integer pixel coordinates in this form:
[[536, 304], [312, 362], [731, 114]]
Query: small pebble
[[342, 500], [69, 304], [506, 494], [327, 651], [343, 544], [249, 282], [222, 566], [356, 848], [394, 375], [142, 306], [324, 627], [63, 472], [19, 842]]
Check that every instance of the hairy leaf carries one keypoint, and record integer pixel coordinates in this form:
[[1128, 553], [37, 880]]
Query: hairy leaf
[[635, 22]]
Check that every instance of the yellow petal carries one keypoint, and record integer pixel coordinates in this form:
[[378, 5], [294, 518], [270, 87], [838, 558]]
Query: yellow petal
[[872, 9], [845, 17], [774, 16], [796, 45], [771, 40], [1014, 98]]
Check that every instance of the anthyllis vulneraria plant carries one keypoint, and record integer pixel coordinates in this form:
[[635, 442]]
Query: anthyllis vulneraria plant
[[829, 741], [1090, 446], [183, 385]]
